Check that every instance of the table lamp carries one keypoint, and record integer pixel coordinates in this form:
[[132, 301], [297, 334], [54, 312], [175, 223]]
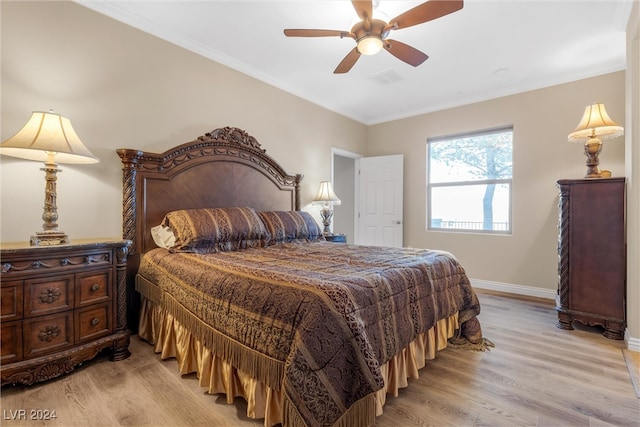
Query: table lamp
[[594, 126], [48, 137], [327, 198]]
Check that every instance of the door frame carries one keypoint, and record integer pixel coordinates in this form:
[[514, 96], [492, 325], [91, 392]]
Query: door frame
[[354, 181]]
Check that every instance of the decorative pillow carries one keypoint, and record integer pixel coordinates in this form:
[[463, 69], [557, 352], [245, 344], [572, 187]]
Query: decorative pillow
[[163, 236], [289, 226], [215, 229]]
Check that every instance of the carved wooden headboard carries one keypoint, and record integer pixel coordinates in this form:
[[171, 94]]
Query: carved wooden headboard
[[225, 167]]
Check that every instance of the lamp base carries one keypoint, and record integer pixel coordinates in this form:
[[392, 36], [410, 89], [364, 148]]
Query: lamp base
[[326, 214], [592, 149], [49, 238]]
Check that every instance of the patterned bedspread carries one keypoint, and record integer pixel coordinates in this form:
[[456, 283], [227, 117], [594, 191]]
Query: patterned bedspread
[[316, 320]]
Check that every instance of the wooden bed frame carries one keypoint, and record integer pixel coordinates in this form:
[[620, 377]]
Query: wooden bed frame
[[227, 168], [223, 168]]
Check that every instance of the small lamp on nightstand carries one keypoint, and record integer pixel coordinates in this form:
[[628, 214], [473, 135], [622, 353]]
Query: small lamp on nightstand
[[594, 126], [48, 137], [327, 198]]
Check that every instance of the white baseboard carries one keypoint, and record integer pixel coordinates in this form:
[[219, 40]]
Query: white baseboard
[[514, 289], [633, 343]]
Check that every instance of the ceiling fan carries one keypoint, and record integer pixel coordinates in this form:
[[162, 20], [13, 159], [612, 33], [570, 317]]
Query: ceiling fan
[[371, 34]]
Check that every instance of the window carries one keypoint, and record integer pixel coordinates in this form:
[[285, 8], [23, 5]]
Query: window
[[469, 182]]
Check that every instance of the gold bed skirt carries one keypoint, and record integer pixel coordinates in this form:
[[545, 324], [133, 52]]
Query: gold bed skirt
[[171, 339]]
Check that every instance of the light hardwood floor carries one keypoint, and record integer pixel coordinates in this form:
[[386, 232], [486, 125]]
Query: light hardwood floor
[[537, 375]]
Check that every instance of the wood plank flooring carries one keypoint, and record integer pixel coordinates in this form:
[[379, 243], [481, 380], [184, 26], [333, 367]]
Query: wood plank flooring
[[538, 375]]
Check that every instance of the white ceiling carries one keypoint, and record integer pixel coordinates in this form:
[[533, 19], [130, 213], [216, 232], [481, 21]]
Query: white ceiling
[[489, 49]]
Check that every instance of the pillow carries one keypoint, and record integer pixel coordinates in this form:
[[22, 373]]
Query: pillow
[[289, 226], [210, 230], [163, 236]]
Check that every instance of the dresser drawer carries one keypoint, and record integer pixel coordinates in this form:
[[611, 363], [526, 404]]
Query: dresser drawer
[[93, 322], [47, 334], [11, 342], [93, 287], [48, 295], [11, 300]]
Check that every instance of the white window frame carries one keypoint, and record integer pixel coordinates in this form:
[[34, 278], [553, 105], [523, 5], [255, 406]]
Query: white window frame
[[431, 186]]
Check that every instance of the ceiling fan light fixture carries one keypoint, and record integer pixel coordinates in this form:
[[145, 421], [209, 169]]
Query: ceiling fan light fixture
[[369, 45], [370, 32]]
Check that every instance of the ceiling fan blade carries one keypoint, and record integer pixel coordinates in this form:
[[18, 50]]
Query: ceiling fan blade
[[404, 52], [425, 12], [316, 33], [348, 62], [364, 8]]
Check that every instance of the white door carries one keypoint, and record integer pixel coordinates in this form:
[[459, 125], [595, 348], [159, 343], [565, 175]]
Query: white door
[[380, 220]]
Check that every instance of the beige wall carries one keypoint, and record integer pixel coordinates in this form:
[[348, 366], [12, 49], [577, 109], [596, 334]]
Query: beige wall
[[541, 121], [122, 88]]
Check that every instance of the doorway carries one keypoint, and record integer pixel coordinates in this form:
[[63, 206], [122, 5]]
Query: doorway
[[381, 197], [343, 171]]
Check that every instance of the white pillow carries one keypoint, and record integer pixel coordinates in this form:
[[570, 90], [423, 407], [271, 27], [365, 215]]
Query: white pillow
[[163, 236]]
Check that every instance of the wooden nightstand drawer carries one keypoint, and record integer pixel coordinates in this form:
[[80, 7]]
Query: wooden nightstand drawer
[[11, 342], [11, 301], [93, 322], [47, 334], [48, 295], [93, 287]]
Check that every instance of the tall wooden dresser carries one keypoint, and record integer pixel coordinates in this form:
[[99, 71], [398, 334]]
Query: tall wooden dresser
[[591, 254], [61, 305]]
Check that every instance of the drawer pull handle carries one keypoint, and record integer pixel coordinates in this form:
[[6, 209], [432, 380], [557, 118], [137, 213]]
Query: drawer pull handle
[[95, 287], [94, 322], [49, 333], [49, 296]]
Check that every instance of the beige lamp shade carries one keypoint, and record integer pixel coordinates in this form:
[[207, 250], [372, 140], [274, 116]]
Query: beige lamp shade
[[595, 123], [44, 134], [325, 195]]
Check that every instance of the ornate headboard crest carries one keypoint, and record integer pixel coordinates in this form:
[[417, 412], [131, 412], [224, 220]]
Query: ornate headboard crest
[[222, 141], [232, 135]]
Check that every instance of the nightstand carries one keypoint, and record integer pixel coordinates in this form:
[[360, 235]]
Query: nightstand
[[336, 238], [61, 306]]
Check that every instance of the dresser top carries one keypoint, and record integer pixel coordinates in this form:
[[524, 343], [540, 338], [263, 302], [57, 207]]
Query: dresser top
[[589, 180], [74, 244]]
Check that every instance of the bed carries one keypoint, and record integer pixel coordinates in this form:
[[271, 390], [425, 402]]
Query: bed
[[239, 285]]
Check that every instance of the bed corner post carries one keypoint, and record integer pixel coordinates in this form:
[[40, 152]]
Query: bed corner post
[[130, 163], [298, 179], [130, 159]]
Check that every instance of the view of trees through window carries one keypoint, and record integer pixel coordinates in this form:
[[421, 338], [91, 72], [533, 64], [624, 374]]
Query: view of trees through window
[[469, 182]]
